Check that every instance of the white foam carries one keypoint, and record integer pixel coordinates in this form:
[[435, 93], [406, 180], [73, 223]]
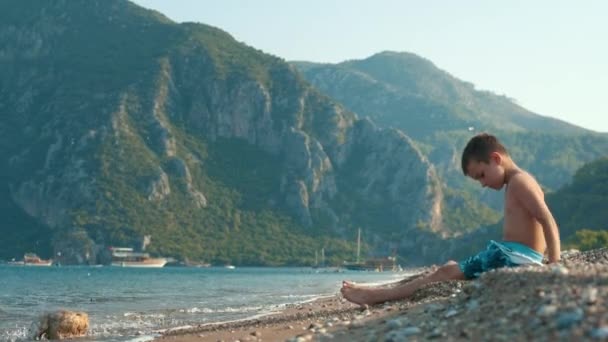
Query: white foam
[[143, 338]]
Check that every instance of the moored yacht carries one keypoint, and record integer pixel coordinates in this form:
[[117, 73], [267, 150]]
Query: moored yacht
[[126, 257]]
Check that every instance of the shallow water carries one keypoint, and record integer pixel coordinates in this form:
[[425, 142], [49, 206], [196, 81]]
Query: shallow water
[[133, 304]]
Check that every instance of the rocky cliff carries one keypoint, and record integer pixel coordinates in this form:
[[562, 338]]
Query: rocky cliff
[[118, 123]]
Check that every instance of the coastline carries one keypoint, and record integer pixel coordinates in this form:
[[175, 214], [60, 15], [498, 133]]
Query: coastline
[[562, 302]]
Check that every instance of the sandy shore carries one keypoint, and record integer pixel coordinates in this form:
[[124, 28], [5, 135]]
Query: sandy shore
[[305, 320], [568, 302]]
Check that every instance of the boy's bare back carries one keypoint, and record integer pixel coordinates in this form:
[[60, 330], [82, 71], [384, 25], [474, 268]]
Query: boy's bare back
[[526, 213], [522, 196]]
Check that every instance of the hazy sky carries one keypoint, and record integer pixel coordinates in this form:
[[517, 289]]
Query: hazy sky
[[551, 56]]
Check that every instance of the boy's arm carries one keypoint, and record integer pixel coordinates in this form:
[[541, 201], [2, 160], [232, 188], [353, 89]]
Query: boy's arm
[[532, 198]]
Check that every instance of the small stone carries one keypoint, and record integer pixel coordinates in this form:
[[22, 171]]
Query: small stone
[[450, 313], [356, 323], [436, 333], [402, 334], [566, 320], [314, 326], [256, 333], [411, 331], [540, 292], [547, 310], [394, 323], [513, 312], [473, 304], [434, 307], [600, 333], [590, 295], [464, 333], [559, 269]]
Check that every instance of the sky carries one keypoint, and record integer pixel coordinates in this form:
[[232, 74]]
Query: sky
[[550, 56]]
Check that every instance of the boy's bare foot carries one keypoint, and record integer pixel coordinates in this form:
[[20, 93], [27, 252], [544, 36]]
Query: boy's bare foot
[[363, 296]]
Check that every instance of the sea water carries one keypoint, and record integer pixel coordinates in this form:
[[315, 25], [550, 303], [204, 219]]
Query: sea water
[[135, 304]]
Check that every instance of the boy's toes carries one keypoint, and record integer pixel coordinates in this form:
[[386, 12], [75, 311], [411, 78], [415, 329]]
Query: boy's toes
[[346, 283]]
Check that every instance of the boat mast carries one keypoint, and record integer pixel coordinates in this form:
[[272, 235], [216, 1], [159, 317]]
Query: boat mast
[[358, 244], [323, 256]]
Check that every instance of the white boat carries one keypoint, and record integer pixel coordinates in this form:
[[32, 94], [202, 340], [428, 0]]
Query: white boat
[[125, 257]]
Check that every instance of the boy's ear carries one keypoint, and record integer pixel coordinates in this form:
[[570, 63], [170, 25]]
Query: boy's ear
[[496, 157]]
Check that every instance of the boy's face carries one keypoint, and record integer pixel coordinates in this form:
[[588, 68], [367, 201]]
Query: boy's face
[[490, 174]]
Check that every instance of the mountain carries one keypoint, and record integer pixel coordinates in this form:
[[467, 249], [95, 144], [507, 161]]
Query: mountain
[[440, 113], [403, 89], [119, 124]]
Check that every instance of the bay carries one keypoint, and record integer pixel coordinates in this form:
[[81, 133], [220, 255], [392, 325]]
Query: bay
[[136, 304]]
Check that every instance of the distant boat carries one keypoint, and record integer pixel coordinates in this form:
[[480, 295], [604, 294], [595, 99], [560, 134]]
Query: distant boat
[[230, 267], [31, 259], [322, 264], [376, 264], [357, 265], [125, 257], [190, 263]]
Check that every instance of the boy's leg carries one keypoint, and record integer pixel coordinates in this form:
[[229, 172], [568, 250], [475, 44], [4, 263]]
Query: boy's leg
[[374, 295]]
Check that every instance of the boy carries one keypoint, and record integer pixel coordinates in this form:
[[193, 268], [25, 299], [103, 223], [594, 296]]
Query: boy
[[529, 229]]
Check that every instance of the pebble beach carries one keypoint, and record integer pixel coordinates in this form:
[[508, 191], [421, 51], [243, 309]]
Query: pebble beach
[[564, 302]]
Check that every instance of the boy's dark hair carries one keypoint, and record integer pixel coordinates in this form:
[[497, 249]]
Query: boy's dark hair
[[479, 149]]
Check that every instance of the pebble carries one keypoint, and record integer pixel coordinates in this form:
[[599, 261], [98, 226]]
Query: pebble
[[559, 269], [394, 323], [547, 310], [314, 326], [450, 313], [411, 331], [600, 333], [436, 333], [434, 307], [567, 319], [401, 334], [473, 304], [590, 295]]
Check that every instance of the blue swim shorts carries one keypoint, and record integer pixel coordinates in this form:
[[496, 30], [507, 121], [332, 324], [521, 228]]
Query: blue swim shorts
[[497, 255]]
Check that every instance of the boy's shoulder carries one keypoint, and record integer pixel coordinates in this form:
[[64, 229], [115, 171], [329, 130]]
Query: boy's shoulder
[[523, 180]]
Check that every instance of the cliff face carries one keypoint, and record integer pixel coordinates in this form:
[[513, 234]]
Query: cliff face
[[118, 123]]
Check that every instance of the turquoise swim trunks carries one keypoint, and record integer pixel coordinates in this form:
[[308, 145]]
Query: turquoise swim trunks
[[497, 255]]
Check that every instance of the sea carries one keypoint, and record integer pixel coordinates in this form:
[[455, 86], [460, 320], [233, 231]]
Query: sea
[[138, 304]]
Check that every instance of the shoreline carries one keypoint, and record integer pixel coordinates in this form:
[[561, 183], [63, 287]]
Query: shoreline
[[295, 320], [560, 302], [304, 320]]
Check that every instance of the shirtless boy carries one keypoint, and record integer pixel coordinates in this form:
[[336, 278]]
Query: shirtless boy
[[529, 229]]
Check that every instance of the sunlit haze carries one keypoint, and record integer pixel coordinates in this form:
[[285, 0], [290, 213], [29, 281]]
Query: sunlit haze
[[550, 56]]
